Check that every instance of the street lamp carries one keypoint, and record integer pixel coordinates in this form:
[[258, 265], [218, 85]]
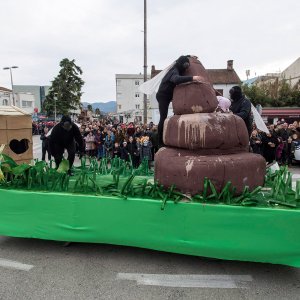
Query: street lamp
[[11, 81]]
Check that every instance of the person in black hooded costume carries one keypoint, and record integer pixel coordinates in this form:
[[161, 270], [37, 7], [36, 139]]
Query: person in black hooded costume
[[241, 106], [63, 136], [165, 91]]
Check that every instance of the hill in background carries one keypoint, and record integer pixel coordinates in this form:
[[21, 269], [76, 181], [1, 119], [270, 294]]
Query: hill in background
[[106, 107]]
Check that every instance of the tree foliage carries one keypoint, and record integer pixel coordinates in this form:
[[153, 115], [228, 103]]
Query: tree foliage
[[65, 91], [277, 93]]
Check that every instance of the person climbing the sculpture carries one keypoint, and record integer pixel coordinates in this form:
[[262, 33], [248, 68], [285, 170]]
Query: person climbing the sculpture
[[165, 91], [166, 81]]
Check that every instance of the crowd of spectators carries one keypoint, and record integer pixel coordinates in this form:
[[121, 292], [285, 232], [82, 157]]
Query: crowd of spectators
[[279, 145], [38, 126], [109, 139], [105, 139]]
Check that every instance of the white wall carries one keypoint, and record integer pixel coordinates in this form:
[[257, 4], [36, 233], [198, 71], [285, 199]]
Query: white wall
[[128, 97], [292, 73], [5, 98], [26, 101], [225, 87]]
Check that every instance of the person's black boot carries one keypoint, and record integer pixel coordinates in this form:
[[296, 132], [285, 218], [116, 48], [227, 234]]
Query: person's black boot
[[70, 173]]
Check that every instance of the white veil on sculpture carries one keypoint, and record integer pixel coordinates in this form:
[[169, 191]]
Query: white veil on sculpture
[[152, 85]]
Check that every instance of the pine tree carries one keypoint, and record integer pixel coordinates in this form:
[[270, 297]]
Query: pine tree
[[65, 91]]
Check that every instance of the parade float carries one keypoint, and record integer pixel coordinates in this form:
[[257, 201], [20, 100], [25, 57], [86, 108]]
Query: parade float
[[207, 197]]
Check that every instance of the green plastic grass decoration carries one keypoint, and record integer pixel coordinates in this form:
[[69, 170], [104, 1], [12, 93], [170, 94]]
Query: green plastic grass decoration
[[117, 177]]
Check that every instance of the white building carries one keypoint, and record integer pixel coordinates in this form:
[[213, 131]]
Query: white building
[[130, 101], [5, 96], [25, 101], [292, 73]]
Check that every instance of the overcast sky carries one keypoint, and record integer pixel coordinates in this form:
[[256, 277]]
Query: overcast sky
[[105, 37]]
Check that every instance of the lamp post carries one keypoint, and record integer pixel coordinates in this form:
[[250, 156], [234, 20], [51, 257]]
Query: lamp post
[[11, 81]]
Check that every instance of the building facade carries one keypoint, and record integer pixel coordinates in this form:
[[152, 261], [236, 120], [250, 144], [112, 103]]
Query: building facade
[[5, 96], [292, 73], [130, 101], [25, 101], [39, 93]]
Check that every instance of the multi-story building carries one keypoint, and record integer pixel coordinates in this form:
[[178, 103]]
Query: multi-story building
[[25, 101], [292, 73], [5, 96], [39, 93], [130, 101]]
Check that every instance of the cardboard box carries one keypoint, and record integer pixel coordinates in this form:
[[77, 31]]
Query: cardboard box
[[16, 133]]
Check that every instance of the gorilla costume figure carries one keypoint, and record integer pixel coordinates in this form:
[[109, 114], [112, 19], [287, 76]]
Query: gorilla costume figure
[[63, 136]]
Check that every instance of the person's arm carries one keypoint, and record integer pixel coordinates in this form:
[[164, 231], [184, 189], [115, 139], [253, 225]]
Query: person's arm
[[245, 110], [176, 78]]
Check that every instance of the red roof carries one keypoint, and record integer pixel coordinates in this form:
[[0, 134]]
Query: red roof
[[216, 76], [281, 111], [4, 89], [223, 76]]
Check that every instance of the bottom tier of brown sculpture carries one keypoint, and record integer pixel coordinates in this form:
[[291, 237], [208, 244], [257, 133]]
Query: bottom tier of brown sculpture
[[187, 170]]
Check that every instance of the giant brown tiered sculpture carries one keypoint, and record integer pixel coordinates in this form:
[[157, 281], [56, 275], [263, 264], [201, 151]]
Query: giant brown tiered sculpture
[[203, 143]]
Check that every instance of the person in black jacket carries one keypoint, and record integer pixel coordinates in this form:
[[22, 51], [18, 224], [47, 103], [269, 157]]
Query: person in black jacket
[[133, 152], [45, 144], [241, 106], [269, 143], [165, 91], [63, 136]]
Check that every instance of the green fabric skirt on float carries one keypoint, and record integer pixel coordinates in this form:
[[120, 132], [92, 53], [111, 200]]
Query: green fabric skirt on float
[[254, 234]]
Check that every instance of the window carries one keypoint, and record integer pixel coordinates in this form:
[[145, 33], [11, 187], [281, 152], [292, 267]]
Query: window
[[26, 103], [137, 106], [137, 82], [119, 94], [5, 102], [119, 106], [220, 91], [137, 95]]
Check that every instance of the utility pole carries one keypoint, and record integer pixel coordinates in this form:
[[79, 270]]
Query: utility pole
[[11, 81], [145, 59], [247, 73]]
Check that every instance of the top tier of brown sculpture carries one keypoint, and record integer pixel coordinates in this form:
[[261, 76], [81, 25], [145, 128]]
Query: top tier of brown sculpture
[[194, 97]]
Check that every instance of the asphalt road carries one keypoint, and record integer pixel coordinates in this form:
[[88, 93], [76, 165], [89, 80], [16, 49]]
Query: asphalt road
[[38, 269]]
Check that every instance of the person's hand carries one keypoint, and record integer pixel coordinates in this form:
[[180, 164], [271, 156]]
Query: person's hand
[[198, 78]]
